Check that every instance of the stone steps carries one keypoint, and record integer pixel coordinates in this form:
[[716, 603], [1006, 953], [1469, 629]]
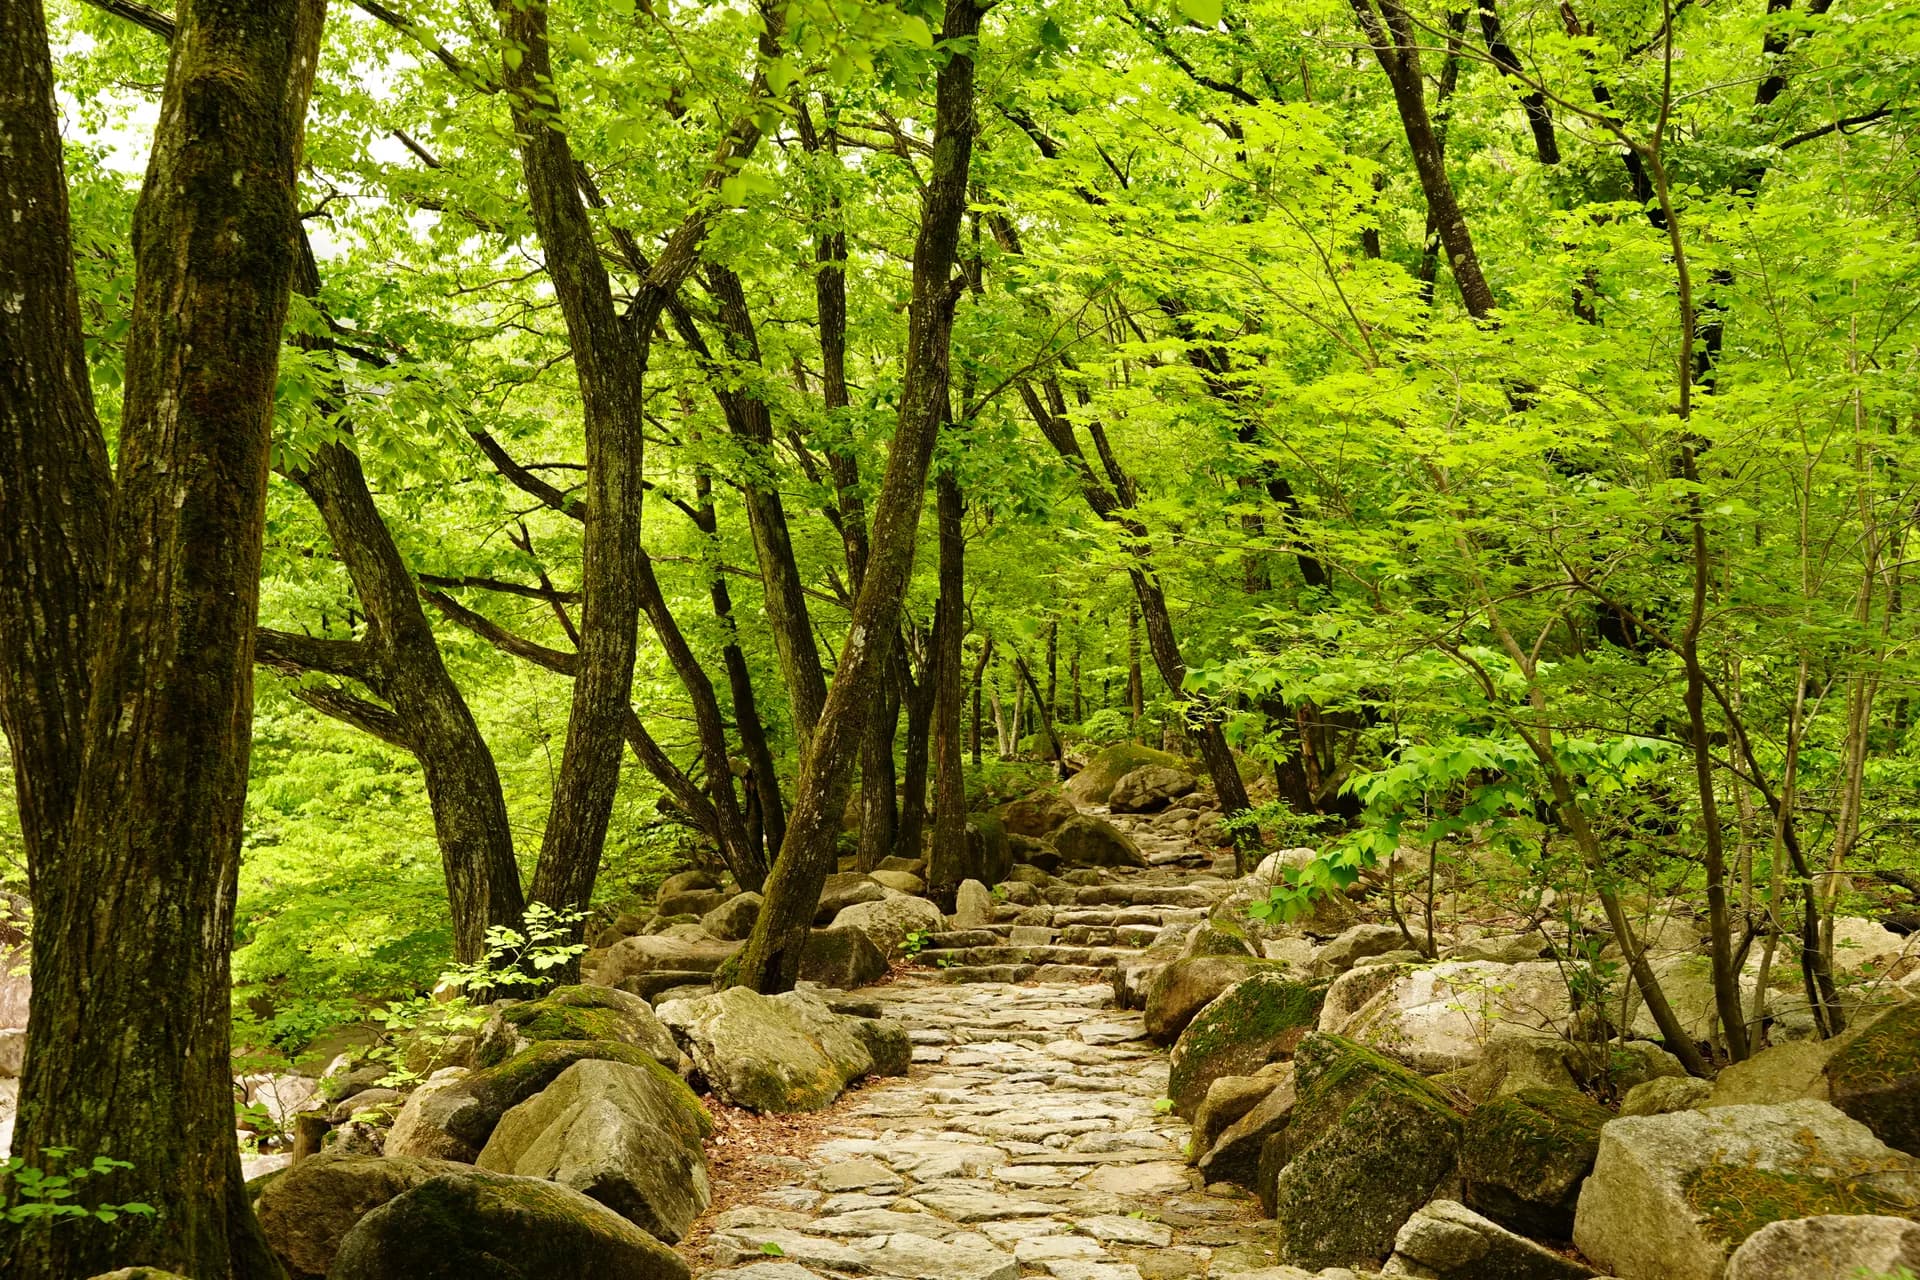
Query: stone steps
[[1134, 895], [1015, 973], [1100, 957]]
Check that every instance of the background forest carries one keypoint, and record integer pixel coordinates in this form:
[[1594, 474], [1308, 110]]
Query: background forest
[[1483, 424], [1404, 480]]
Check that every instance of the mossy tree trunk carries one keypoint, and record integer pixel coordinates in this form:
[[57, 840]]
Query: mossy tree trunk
[[946, 864], [140, 881]]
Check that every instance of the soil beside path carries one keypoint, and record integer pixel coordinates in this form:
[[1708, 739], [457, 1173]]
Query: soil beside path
[[1025, 1141]]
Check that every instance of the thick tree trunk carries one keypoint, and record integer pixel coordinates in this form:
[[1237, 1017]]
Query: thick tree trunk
[[145, 883], [55, 482], [771, 960], [947, 858]]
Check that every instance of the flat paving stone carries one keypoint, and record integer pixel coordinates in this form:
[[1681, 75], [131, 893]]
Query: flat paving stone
[[1025, 1138]]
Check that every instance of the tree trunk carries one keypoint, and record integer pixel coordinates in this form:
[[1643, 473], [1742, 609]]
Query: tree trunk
[[406, 669], [145, 881], [1136, 686], [771, 960], [1390, 32], [913, 799], [979, 678], [947, 859], [879, 819]]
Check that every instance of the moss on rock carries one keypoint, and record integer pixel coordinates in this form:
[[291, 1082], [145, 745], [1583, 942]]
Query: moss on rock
[[1875, 1077], [1734, 1201], [1367, 1144], [1524, 1156], [1256, 1021]]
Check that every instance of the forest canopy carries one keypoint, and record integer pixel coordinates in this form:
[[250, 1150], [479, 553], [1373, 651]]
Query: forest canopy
[[1443, 422]]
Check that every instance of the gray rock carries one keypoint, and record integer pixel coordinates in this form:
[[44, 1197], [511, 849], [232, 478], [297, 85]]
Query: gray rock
[[1784, 1073], [482, 1224], [844, 889], [1524, 1156], [972, 906], [307, 1210], [1669, 1197], [1084, 841], [1356, 943], [888, 920], [1448, 1241], [575, 1013], [628, 1137], [733, 919], [1440, 1017], [650, 953], [1148, 788], [1235, 1155], [1832, 1247], [1665, 1094], [1036, 816], [899, 881], [842, 958], [781, 1053], [1183, 988]]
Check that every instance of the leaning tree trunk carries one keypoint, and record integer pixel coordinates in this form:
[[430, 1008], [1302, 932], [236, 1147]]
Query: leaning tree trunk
[[947, 860], [463, 785], [146, 882], [771, 960]]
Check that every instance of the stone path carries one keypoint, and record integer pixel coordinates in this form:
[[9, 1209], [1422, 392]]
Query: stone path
[[1026, 1141]]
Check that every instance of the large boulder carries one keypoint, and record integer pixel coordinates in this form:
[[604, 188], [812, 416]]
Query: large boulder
[[1181, 990], [1228, 1099], [1234, 1156], [1149, 789], [628, 1137], [1036, 816], [1448, 1241], [648, 953], [733, 919], [989, 849], [1784, 1073], [888, 920], [1439, 1017], [575, 1013], [1366, 1146], [1874, 1076], [1085, 841], [476, 1225], [841, 957], [1523, 1158], [1672, 1196], [452, 1115], [1358, 943], [1093, 785], [972, 906], [310, 1207], [783, 1053], [1256, 1021], [844, 889], [1829, 1247]]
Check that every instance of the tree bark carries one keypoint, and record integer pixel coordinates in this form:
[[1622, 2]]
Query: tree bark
[[947, 858], [913, 778], [771, 960], [1390, 32], [146, 878], [979, 679], [406, 670], [879, 816]]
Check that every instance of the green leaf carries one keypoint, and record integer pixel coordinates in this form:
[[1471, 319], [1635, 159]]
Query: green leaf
[[1205, 13]]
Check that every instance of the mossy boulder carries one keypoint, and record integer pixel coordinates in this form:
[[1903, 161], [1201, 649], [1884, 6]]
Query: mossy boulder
[[1222, 933], [1671, 1196], [1094, 784], [309, 1209], [1149, 788], [1367, 1144], [1036, 816], [452, 1119], [1256, 1021], [1875, 1077], [841, 957], [476, 1225], [1085, 841], [1180, 991], [628, 1137], [1524, 1156], [844, 889], [784, 1053], [733, 919], [575, 1013]]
